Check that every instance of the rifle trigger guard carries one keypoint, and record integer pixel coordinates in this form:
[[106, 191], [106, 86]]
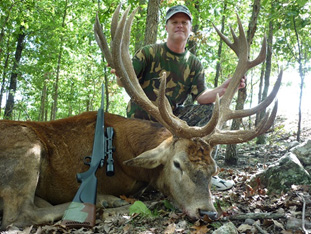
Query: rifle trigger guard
[[87, 160]]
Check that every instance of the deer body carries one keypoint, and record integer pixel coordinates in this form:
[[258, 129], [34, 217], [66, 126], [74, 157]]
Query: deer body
[[42, 159]]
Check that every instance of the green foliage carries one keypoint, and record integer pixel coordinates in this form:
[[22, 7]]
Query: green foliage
[[140, 208], [81, 67], [169, 205]]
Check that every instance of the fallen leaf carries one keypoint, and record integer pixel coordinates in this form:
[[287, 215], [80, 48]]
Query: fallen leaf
[[127, 199], [249, 191], [244, 228], [170, 228], [199, 229], [278, 224], [126, 228]]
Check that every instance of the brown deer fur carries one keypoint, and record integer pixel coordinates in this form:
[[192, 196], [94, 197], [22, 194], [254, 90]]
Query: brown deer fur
[[42, 159]]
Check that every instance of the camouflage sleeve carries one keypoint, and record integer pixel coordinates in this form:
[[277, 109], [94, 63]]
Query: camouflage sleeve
[[139, 62], [198, 85]]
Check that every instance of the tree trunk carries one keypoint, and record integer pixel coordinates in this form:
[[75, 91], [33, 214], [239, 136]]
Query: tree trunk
[[260, 89], [71, 98], [231, 151], [55, 94], [5, 21], [43, 99], [13, 81], [253, 22], [191, 43], [195, 26], [218, 65], [302, 77], [152, 22], [6, 63], [262, 138]]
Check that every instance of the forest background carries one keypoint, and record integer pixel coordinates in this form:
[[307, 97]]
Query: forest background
[[51, 66]]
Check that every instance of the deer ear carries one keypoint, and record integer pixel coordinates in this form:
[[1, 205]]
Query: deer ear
[[151, 158]]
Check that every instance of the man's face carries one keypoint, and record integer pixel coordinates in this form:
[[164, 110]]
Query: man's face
[[178, 27]]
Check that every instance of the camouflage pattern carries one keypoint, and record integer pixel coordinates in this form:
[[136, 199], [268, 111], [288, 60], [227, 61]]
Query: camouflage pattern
[[195, 115], [185, 75]]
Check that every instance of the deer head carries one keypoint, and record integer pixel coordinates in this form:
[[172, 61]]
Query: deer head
[[186, 136]]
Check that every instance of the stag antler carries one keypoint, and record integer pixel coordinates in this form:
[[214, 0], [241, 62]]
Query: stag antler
[[241, 49], [119, 59]]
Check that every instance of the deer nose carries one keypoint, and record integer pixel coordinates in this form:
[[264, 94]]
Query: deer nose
[[211, 214]]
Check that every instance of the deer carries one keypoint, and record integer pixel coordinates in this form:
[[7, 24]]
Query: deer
[[39, 160]]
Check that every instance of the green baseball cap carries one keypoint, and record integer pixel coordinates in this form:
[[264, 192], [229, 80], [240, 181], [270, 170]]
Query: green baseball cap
[[178, 9]]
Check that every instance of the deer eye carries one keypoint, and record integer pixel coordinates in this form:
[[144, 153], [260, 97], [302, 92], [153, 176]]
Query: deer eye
[[177, 165]]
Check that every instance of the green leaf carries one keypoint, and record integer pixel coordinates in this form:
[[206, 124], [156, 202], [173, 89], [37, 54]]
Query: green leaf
[[139, 208], [301, 3], [168, 205]]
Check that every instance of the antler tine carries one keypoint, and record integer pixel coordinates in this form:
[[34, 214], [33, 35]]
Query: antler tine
[[114, 21], [102, 42], [116, 45], [243, 113], [126, 58], [161, 95], [240, 136], [121, 57], [242, 39], [223, 37], [270, 121], [262, 54], [235, 38], [100, 36], [238, 44], [125, 69]]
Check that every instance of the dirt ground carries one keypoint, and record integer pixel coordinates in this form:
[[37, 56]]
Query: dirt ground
[[251, 211]]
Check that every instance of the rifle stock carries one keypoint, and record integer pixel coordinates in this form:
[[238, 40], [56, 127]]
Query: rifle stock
[[82, 210], [79, 215]]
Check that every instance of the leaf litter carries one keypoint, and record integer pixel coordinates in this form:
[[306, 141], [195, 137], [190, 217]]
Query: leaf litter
[[250, 209]]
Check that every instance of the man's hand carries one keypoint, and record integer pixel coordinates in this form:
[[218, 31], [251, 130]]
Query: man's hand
[[242, 83], [113, 71], [241, 86], [209, 96]]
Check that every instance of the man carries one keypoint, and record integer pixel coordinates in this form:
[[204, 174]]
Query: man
[[185, 74]]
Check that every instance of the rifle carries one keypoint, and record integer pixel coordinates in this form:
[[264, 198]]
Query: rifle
[[82, 210]]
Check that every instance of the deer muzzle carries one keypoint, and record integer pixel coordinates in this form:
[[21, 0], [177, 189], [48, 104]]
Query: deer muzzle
[[211, 214]]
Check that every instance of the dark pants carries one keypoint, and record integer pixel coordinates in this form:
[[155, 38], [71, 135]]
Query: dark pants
[[195, 115]]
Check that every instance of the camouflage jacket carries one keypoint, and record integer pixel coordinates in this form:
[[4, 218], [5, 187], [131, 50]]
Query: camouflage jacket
[[185, 75]]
